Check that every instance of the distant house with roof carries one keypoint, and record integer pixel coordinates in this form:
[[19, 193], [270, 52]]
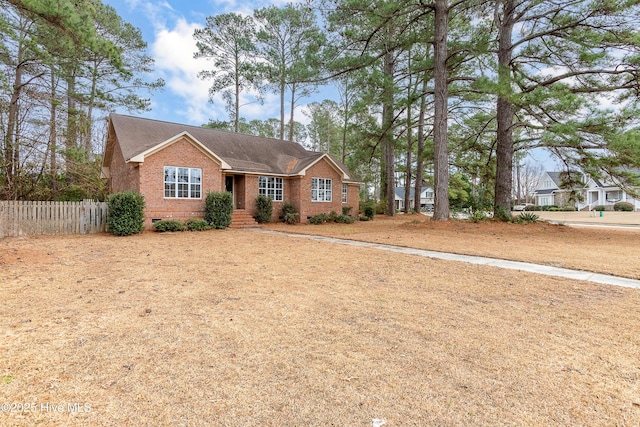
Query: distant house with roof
[[426, 198], [593, 192], [174, 166]]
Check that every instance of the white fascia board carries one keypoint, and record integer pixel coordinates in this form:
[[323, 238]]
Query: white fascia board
[[140, 157]]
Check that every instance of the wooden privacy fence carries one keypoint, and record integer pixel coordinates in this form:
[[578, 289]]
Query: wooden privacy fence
[[19, 218]]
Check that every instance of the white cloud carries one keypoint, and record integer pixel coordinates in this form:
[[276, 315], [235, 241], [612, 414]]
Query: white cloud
[[173, 51], [185, 98]]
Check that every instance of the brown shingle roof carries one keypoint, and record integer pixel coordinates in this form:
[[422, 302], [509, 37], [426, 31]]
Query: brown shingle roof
[[244, 153]]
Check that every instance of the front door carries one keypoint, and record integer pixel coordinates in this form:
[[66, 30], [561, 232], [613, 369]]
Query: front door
[[228, 187], [239, 191]]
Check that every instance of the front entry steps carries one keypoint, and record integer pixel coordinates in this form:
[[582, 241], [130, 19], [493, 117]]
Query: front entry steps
[[242, 219]]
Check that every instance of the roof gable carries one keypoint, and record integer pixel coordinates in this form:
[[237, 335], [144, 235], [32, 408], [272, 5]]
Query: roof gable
[[331, 162], [139, 158]]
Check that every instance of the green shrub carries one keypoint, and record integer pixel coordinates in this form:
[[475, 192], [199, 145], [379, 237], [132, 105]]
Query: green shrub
[[369, 209], [568, 209], [531, 208], [169, 225], [218, 207], [197, 224], [502, 213], [126, 213], [346, 219], [598, 208], [334, 217], [380, 208], [319, 219], [264, 209], [526, 218], [553, 209], [346, 210], [623, 207], [478, 216], [289, 214], [290, 218]]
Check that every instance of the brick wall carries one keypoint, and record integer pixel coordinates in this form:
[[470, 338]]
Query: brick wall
[[322, 169], [124, 176], [252, 190], [353, 198], [148, 179], [181, 154]]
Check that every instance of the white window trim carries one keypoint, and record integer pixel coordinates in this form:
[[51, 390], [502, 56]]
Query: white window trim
[[345, 193], [271, 191], [189, 183], [326, 190]]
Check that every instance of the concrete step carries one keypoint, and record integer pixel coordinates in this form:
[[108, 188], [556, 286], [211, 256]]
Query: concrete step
[[242, 219]]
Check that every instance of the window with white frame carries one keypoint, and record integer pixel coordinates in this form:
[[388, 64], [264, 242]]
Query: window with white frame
[[321, 189], [345, 193], [271, 187], [182, 183], [614, 196]]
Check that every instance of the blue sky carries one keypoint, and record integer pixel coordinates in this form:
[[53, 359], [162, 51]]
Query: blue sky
[[167, 27]]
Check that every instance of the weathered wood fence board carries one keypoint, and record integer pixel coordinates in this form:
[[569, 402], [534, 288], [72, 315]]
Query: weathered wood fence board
[[19, 218]]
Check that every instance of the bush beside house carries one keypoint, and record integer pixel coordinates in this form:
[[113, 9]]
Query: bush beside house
[[623, 207], [289, 213], [264, 210], [218, 209], [126, 213]]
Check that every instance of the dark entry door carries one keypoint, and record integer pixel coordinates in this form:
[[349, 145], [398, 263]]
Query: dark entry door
[[228, 183], [228, 186]]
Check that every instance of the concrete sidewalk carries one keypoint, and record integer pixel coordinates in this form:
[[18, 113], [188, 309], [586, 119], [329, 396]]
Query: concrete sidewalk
[[493, 262]]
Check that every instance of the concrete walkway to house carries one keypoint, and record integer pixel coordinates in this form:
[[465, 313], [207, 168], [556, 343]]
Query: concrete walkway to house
[[492, 262]]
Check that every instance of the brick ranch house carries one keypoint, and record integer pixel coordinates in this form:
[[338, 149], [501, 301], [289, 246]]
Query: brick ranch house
[[174, 166]]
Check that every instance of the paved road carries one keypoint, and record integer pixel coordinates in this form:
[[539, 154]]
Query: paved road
[[608, 218], [493, 262]]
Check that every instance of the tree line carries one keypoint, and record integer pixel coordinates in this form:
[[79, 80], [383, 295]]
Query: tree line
[[65, 65], [449, 93]]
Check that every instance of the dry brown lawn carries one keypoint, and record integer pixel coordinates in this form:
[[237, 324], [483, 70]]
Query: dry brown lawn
[[238, 328]]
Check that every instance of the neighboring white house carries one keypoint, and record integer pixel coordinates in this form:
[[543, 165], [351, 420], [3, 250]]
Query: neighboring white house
[[593, 193], [426, 198]]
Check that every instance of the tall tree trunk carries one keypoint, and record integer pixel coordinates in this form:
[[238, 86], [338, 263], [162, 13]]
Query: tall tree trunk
[[293, 106], [345, 124], [408, 160], [441, 153], [504, 113], [71, 137], [282, 91], [53, 136], [420, 153], [11, 139], [236, 119], [387, 129], [518, 183], [88, 125]]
